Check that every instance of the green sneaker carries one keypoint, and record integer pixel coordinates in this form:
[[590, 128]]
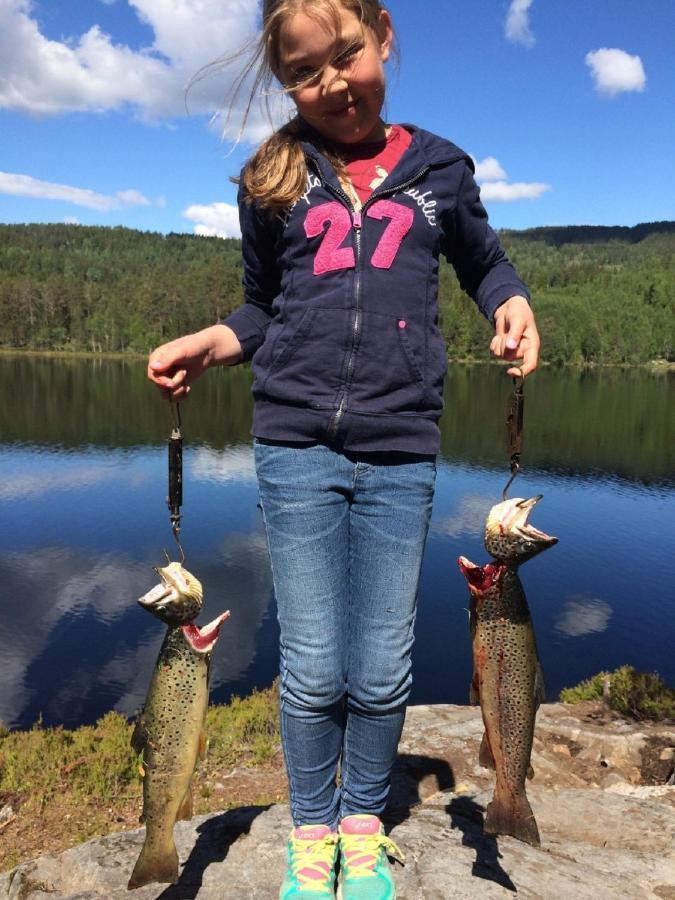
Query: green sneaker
[[312, 853], [365, 873]]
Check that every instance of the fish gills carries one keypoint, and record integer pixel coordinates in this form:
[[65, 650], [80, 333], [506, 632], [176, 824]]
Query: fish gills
[[169, 735], [506, 683]]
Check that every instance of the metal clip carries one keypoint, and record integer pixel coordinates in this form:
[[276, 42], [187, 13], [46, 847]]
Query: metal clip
[[514, 426], [175, 498]]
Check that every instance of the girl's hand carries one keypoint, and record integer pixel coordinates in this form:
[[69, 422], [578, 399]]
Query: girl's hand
[[516, 335], [173, 367]]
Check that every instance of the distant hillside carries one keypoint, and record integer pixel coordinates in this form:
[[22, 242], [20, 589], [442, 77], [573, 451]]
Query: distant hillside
[[602, 294], [590, 234]]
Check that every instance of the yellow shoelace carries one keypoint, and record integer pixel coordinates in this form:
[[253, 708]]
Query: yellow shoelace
[[367, 846], [312, 857]]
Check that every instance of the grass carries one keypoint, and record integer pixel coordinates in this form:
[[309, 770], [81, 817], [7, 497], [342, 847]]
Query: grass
[[97, 760], [245, 729], [639, 695]]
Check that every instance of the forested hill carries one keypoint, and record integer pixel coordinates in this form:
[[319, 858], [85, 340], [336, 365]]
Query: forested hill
[[602, 295], [590, 234]]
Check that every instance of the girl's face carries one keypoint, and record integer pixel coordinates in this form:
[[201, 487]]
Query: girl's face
[[344, 100]]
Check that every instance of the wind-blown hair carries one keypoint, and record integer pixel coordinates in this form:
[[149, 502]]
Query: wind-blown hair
[[275, 176]]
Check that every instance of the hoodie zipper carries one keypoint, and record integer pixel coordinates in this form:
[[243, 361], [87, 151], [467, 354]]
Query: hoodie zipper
[[357, 220]]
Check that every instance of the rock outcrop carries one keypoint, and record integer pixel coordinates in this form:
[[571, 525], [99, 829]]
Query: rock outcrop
[[600, 795]]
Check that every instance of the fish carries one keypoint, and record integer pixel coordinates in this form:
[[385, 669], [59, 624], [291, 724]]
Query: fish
[[169, 735], [507, 677]]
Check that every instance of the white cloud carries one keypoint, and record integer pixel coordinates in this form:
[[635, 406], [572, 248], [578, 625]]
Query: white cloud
[[71, 220], [517, 28], [25, 186], [502, 192], [614, 71], [93, 73], [494, 186], [489, 169], [215, 220]]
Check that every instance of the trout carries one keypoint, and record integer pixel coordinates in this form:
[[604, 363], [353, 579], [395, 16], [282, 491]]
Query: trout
[[507, 679], [169, 734]]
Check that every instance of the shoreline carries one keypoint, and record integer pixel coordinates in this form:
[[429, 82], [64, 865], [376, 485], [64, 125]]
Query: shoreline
[[657, 366], [579, 745]]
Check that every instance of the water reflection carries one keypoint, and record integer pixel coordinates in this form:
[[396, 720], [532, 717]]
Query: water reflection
[[83, 520], [468, 519], [584, 615]]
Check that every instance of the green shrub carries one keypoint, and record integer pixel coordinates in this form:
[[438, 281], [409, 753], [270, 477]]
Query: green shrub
[[98, 761], [640, 695]]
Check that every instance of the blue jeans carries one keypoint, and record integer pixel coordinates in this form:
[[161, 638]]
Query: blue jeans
[[346, 535]]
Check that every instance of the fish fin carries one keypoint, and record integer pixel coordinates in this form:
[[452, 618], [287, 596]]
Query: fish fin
[[203, 746], [485, 755], [185, 810], [139, 736], [539, 686], [530, 773], [155, 864], [512, 814], [474, 691]]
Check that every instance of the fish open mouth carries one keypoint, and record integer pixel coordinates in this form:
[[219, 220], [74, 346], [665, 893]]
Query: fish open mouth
[[202, 640], [176, 585], [480, 578], [513, 518]]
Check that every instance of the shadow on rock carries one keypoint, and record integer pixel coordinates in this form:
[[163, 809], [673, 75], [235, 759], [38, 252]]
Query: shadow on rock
[[467, 815], [216, 836], [414, 778]]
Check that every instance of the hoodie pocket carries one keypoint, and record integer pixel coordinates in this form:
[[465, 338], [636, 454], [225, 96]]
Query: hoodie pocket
[[388, 371], [289, 340], [304, 363]]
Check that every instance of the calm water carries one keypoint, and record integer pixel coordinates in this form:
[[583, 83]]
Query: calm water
[[83, 519]]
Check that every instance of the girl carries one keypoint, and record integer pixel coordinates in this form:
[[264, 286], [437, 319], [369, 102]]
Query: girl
[[343, 220]]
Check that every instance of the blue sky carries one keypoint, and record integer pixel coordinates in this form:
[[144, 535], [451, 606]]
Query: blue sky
[[567, 106]]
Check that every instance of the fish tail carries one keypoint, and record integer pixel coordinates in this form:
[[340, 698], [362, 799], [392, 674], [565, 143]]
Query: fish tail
[[156, 862], [512, 814]]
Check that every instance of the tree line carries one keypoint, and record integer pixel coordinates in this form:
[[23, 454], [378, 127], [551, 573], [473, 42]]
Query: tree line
[[602, 295]]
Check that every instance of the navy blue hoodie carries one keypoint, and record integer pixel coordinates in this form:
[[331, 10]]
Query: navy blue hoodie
[[341, 316]]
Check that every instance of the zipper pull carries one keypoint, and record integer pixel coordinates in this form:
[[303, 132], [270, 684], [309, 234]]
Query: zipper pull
[[356, 218]]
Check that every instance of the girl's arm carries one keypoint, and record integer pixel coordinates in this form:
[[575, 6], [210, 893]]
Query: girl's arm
[[174, 366], [260, 231], [487, 275]]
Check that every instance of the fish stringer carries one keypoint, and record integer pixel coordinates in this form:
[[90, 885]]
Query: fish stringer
[[514, 429], [175, 499]]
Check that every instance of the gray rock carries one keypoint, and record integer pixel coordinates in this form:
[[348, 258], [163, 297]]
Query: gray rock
[[596, 843]]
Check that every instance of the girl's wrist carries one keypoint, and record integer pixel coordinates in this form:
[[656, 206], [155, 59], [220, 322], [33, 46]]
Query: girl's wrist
[[223, 345]]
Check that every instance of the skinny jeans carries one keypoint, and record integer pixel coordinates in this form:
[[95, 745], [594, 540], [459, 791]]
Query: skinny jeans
[[346, 535]]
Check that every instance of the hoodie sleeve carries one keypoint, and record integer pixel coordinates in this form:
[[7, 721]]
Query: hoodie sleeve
[[261, 278], [473, 248]]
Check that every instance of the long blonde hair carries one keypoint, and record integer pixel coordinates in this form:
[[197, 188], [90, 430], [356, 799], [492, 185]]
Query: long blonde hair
[[275, 176]]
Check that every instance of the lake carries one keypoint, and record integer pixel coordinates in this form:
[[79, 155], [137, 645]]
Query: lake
[[83, 519]]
